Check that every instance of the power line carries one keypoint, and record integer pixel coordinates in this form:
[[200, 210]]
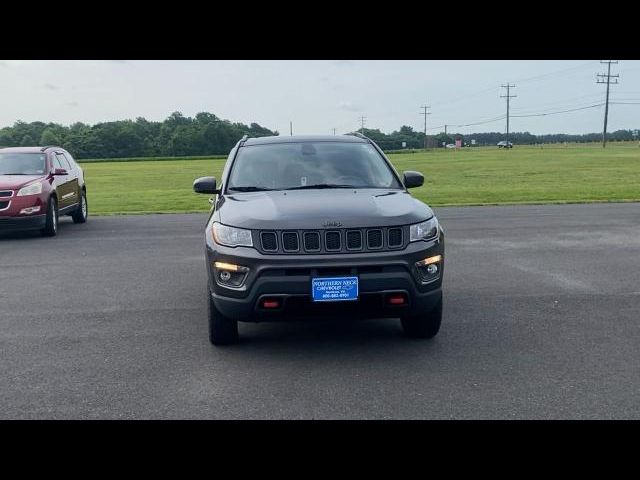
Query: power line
[[562, 103], [522, 80], [555, 73], [425, 113], [601, 79], [507, 96], [491, 120], [561, 111]]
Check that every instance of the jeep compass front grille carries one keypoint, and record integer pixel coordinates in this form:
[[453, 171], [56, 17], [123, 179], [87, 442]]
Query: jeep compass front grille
[[290, 241], [6, 193], [354, 240], [332, 241], [395, 237], [312, 241], [4, 205], [374, 239], [269, 241], [345, 240]]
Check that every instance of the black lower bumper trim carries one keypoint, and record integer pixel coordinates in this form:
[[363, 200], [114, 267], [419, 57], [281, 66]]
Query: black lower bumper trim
[[296, 306], [10, 224]]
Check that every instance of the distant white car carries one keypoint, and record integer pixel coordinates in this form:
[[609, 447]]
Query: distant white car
[[450, 145], [505, 144]]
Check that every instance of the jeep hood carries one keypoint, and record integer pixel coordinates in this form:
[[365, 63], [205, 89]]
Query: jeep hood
[[312, 209]]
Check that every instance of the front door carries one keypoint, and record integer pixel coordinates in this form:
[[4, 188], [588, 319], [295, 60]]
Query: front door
[[64, 183]]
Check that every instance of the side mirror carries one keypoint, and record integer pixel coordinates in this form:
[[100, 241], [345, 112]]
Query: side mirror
[[60, 171], [205, 185], [413, 179]]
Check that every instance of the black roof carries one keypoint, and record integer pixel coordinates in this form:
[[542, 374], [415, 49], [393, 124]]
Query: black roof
[[303, 139]]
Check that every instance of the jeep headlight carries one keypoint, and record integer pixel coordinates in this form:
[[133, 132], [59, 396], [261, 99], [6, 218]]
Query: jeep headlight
[[33, 189], [424, 231], [231, 236]]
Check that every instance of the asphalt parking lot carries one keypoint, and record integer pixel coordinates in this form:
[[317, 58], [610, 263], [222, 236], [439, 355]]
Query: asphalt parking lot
[[541, 320]]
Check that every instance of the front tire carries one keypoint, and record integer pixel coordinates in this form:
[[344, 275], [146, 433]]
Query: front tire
[[51, 225], [222, 330], [424, 325], [82, 213]]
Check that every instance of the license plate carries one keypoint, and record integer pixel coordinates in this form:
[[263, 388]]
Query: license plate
[[334, 289]]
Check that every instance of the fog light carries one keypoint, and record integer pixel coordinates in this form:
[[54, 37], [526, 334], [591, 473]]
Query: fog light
[[229, 274], [429, 269], [429, 261], [30, 210], [230, 267]]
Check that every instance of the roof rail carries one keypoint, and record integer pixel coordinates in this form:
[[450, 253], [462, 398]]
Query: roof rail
[[242, 140], [49, 146], [359, 135]]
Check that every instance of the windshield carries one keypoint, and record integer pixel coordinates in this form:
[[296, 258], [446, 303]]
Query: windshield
[[286, 166], [22, 163]]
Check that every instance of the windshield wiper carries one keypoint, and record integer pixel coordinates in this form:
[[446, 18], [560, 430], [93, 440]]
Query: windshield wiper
[[250, 189], [321, 185]]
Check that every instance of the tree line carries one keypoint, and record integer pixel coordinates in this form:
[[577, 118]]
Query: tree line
[[415, 139], [204, 134]]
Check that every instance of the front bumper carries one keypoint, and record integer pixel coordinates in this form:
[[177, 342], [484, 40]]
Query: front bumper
[[288, 277], [11, 224]]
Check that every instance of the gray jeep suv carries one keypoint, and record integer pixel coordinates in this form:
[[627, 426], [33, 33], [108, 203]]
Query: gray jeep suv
[[306, 226]]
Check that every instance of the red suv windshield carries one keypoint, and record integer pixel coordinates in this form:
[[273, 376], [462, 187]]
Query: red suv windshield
[[22, 163]]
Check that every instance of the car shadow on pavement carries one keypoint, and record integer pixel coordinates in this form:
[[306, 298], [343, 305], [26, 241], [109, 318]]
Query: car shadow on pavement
[[63, 223], [318, 332]]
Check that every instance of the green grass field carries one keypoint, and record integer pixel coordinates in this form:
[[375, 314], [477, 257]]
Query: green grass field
[[470, 176]]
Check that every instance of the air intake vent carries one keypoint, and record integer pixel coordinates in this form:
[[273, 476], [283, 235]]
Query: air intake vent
[[269, 241], [354, 240], [332, 241], [290, 242], [395, 237], [312, 241], [374, 239]]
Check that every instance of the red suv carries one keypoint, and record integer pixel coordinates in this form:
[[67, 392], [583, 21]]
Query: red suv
[[37, 184]]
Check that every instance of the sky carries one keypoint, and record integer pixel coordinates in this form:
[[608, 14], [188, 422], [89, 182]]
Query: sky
[[320, 95]]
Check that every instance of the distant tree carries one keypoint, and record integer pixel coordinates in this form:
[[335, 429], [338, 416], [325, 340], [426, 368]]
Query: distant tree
[[50, 137], [27, 141]]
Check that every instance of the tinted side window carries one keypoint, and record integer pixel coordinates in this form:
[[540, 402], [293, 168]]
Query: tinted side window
[[72, 161], [64, 162], [56, 161]]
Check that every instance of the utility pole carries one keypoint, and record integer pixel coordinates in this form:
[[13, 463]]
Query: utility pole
[[608, 77], [425, 113], [362, 119], [507, 96], [334, 131], [290, 128]]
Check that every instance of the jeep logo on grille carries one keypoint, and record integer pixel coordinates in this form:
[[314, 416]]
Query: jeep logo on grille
[[332, 224]]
